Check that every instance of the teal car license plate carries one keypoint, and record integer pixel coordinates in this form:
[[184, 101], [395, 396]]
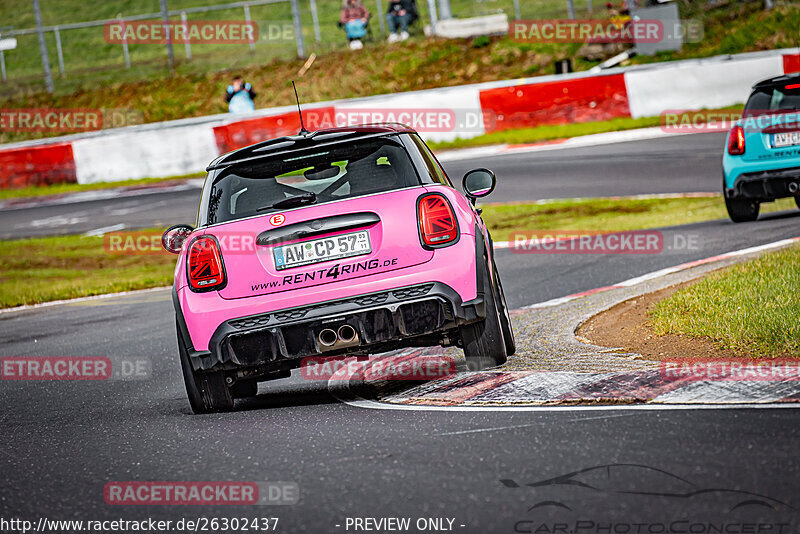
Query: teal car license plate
[[785, 139]]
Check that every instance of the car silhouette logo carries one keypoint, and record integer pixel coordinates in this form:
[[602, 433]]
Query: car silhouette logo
[[642, 480]]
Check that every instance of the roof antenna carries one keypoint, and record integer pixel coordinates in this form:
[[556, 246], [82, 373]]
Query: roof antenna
[[303, 130]]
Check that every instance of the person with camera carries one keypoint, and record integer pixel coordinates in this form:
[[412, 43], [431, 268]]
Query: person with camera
[[240, 96]]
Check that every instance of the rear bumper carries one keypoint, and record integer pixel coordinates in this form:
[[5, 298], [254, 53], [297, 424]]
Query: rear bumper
[[766, 185], [421, 314]]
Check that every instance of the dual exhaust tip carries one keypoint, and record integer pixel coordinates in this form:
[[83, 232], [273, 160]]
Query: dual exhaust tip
[[345, 335], [793, 187]]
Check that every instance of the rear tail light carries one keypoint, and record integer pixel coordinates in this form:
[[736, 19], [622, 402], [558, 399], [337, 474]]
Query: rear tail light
[[204, 267], [437, 223], [736, 141]]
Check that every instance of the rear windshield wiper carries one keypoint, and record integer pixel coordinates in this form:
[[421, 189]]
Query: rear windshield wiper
[[291, 202]]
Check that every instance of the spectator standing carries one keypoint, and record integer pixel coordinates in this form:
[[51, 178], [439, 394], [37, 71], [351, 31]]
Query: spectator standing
[[240, 96], [400, 14], [354, 19]]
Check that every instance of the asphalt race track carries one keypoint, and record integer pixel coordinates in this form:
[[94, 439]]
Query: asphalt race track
[[61, 442], [679, 164]]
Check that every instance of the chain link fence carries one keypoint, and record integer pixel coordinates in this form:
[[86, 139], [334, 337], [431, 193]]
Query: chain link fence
[[78, 50]]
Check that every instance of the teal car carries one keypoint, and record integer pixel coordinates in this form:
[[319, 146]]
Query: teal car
[[761, 162]]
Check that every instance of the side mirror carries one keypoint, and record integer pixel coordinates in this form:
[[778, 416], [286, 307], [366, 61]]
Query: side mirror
[[479, 183], [174, 238]]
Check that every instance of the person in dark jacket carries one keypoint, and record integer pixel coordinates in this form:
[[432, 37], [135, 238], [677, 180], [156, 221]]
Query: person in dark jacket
[[400, 14], [354, 18]]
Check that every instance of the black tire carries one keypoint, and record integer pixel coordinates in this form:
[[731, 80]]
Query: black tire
[[207, 391], [482, 341], [505, 318], [244, 389], [797, 201], [742, 209]]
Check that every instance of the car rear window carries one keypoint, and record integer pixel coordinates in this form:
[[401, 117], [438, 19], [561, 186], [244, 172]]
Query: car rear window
[[784, 97], [332, 173]]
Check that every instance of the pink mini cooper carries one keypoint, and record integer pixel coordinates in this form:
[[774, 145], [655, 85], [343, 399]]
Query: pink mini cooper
[[345, 241]]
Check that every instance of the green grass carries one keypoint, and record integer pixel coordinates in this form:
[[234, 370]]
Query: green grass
[[54, 268], [546, 133], [610, 215], [752, 308], [88, 58], [558, 131], [60, 189]]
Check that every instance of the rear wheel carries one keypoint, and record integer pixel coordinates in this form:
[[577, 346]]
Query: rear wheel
[[742, 209], [207, 391], [484, 347], [505, 319], [797, 201]]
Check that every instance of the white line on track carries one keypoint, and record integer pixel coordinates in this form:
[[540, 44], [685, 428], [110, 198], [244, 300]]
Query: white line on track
[[358, 402], [605, 138], [514, 427], [669, 270], [83, 299], [97, 232]]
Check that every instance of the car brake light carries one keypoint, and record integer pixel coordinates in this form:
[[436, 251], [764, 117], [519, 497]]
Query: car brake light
[[437, 223], [205, 270], [736, 141]]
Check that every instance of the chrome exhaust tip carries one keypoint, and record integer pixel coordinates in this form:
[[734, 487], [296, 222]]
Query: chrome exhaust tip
[[327, 337], [346, 333], [793, 187]]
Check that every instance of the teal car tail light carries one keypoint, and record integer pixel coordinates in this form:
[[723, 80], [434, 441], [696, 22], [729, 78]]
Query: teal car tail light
[[736, 141]]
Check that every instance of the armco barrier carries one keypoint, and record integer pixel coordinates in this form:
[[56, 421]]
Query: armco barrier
[[698, 84], [595, 98], [246, 132], [791, 63], [144, 152], [37, 165], [187, 146]]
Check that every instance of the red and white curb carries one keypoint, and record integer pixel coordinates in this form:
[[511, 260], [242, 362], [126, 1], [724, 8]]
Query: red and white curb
[[540, 390]]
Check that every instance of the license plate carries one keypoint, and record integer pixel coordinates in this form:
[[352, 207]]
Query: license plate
[[786, 139], [324, 249]]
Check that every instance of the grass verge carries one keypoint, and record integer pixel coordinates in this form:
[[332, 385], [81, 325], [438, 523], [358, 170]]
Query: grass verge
[[609, 214], [60, 189], [561, 131], [752, 308], [54, 268], [546, 133]]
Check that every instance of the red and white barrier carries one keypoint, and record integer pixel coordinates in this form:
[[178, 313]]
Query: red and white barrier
[[187, 146], [587, 99], [37, 165]]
